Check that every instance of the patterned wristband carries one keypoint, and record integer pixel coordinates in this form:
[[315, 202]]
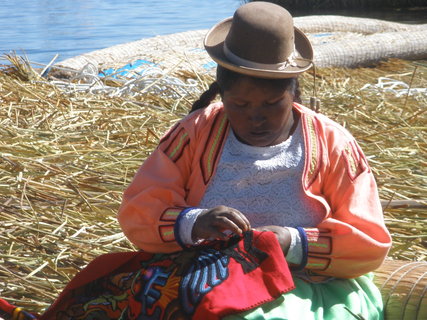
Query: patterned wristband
[[176, 228], [304, 245]]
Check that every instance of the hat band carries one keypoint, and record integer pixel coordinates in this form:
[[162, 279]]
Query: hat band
[[289, 62]]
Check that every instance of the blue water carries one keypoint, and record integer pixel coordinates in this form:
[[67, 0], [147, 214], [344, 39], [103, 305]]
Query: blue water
[[42, 28]]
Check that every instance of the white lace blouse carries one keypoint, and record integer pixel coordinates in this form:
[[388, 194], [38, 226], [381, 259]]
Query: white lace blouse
[[265, 184]]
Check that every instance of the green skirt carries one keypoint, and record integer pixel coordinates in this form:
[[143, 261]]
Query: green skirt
[[337, 299]]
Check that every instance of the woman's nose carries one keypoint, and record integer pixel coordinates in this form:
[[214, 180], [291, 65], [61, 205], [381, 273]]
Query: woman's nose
[[255, 116]]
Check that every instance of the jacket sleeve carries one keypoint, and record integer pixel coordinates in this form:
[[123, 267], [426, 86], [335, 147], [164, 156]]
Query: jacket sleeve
[[155, 198], [353, 239]]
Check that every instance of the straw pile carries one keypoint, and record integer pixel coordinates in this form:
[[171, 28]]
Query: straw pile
[[65, 159]]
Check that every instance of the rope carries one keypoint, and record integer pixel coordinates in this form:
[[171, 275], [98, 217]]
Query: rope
[[405, 304], [419, 302], [396, 87], [413, 266], [151, 79]]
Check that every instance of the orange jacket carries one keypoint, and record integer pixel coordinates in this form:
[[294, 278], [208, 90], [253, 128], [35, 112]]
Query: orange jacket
[[350, 241]]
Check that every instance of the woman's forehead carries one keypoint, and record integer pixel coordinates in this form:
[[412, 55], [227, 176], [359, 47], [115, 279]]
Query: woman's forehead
[[247, 85]]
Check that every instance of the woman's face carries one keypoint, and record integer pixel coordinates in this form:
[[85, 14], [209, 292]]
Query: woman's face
[[260, 115]]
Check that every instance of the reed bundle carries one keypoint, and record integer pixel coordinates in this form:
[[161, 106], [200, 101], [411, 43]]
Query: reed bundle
[[346, 4], [65, 159], [403, 285]]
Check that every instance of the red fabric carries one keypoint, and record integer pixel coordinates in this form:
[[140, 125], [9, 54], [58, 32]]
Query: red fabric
[[5, 306], [241, 292], [8, 312], [261, 276]]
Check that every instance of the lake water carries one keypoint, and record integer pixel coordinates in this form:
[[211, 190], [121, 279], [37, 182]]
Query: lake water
[[71, 27], [43, 28]]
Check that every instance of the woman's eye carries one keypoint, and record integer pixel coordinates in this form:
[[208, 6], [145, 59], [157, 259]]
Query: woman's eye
[[270, 103]]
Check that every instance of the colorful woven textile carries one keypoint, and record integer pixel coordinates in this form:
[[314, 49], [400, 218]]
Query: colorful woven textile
[[10, 312], [195, 283]]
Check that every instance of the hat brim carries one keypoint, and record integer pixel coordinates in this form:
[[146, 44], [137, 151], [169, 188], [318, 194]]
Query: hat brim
[[214, 44]]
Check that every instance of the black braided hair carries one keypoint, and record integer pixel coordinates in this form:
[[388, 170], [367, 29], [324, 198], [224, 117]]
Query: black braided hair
[[297, 92], [225, 79], [206, 97]]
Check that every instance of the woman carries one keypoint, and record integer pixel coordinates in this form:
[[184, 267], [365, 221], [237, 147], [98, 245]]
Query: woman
[[260, 160], [277, 184]]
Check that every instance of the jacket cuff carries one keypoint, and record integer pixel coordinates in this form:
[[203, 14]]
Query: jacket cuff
[[184, 226], [294, 255], [304, 247], [319, 249], [167, 224]]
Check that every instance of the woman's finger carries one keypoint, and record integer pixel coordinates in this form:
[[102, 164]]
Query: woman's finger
[[245, 222], [223, 223], [239, 219], [214, 233], [213, 223]]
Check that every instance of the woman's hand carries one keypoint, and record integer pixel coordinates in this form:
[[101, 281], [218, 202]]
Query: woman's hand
[[283, 235], [213, 223]]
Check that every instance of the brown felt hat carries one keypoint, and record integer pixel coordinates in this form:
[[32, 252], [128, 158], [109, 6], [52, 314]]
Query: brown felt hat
[[260, 40]]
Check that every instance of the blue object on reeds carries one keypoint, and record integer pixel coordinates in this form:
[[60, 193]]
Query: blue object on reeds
[[130, 70]]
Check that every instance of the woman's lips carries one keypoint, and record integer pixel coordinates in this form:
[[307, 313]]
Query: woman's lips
[[258, 133]]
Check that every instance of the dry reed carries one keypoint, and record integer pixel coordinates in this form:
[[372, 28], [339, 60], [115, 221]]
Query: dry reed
[[66, 158]]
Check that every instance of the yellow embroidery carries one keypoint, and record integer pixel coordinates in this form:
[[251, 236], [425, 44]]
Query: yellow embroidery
[[323, 245], [167, 233], [173, 213], [318, 263], [315, 264], [179, 146], [314, 149], [214, 145], [16, 314], [351, 161]]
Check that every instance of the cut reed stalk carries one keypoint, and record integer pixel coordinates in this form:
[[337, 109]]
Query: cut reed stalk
[[65, 159]]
